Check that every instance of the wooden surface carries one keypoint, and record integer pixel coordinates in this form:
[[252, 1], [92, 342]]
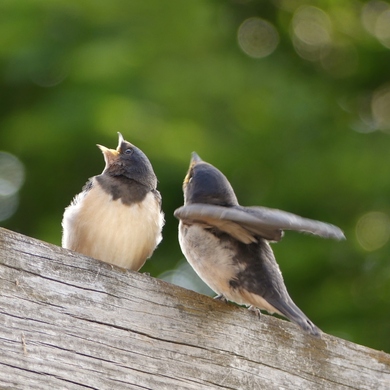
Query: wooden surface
[[71, 322]]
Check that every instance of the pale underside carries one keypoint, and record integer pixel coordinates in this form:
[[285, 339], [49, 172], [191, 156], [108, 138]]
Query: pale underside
[[108, 230], [215, 265]]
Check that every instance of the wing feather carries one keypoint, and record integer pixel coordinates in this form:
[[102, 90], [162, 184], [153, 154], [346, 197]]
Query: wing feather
[[245, 223]]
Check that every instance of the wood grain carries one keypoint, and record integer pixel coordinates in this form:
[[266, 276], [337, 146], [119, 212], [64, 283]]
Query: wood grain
[[71, 322]]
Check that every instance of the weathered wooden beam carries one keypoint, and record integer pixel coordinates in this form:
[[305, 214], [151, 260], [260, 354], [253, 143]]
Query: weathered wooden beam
[[71, 322]]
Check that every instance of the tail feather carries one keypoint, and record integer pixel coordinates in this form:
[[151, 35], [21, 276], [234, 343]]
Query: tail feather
[[291, 311], [282, 305]]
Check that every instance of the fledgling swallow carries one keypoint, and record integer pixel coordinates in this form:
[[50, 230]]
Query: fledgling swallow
[[117, 218], [228, 244]]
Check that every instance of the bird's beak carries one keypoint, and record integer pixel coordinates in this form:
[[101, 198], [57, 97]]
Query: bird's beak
[[120, 141], [195, 158], [110, 155]]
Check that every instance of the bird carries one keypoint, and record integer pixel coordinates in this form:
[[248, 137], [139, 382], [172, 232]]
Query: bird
[[228, 245], [117, 218]]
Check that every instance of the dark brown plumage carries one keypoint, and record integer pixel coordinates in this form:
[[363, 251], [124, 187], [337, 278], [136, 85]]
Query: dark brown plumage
[[227, 244]]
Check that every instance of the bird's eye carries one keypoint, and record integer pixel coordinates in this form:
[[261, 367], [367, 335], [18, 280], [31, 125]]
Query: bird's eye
[[128, 151]]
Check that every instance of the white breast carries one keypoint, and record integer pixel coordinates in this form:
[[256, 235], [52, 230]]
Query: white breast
[[108, 230], [211, 261]]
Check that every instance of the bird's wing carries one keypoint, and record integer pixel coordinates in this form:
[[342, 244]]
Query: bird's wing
[[241, 225], [245, 223], [278, 219]]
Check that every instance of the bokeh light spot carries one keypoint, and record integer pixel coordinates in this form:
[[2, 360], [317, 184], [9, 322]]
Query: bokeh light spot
[[11, 180], [257, 38], [11, 174], [382, 28], [370, 14], [373, 230], [380, 106], [8, 206], [312, 30]]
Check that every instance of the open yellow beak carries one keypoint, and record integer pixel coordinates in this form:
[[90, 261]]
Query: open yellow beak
[[110, 155]]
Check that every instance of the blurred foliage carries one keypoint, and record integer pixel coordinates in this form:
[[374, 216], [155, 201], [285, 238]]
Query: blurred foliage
[[289, 98]]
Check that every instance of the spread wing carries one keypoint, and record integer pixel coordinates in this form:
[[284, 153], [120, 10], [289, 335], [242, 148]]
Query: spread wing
[[245, 223]]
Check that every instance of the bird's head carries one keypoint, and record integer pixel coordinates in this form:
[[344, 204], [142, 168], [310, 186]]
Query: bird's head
[[206, 184], [129, 161]]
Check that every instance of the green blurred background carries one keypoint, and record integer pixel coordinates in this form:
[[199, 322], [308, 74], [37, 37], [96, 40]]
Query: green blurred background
[[289, 98]]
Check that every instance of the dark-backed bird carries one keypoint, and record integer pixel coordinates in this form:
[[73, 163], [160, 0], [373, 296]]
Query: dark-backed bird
[[117, 217], [228, 244]]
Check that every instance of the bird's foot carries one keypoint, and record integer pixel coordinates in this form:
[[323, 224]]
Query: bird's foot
[[221, 298], [255, 310]]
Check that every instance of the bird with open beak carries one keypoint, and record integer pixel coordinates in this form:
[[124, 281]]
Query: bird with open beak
[[117, 218], [228, 244]]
